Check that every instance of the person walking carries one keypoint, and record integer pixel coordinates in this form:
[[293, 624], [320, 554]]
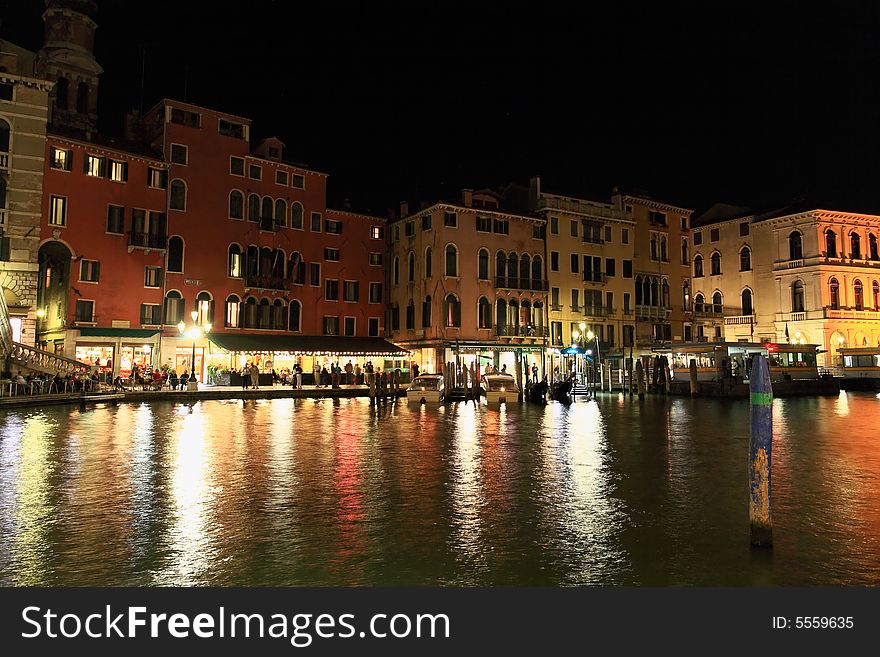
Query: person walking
[[415, 370], [357, 373], [349, 370], [535, 373], [255, 376]]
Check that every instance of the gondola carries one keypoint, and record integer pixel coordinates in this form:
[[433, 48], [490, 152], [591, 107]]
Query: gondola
[[561, 391]]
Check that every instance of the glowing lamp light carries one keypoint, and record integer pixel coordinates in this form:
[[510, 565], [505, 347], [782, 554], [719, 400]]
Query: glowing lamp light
[[590, 335], [583, 326], [194, 314], [147, 348], [41, 313], [575, 335], [181, 327]]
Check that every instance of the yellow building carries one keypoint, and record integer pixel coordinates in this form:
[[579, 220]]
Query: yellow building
[[797, 274]]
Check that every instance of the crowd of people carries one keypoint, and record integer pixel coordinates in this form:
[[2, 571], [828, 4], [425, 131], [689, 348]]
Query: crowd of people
[[37, 383]]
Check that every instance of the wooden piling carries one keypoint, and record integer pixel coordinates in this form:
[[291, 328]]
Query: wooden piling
[[640, 377], [760, 453], [692, 370]]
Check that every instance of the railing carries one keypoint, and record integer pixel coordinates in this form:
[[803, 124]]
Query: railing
[[651, 312], [850, 313], [798, 317], [268, 224], [739, 319], [521, 331], [516, 283], [591, 276], [44, 361], [709, 312], [147, 240], [575, 308], [598, 311], [267, 282], [580, 207], [4, 161], [555, 308], [592, 239], [793, 264]]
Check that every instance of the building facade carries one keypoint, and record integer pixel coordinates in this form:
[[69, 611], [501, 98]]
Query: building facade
[[467, 285], [792, 275], [24, 101], [661, 270]]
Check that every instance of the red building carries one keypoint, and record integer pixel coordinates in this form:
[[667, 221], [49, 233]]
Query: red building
[[186, 244]]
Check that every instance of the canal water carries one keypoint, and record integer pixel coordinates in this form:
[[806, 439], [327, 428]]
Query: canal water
[[334, 492]]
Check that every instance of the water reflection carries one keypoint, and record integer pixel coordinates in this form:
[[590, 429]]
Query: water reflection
[[339, 492]]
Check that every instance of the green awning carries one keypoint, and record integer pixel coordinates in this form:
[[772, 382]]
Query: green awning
[[113, 332], [304, 344]]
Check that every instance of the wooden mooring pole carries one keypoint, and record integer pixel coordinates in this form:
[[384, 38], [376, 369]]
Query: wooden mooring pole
[[760, 452]]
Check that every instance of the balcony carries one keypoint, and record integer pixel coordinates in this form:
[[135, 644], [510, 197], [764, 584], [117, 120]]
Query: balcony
[[267, 282], [504, 330], [708, 312], [514, 283], [592, 239], [595, 277], [598, 311], [4, 161], [555, 307], [733, 320], [652, 312], [148, 241], [850, 313], [596, 210]]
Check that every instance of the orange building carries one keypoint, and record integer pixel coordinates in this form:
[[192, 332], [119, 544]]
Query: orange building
[[468, 284]]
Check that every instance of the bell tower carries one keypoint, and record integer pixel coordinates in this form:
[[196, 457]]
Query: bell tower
[[67, 58]]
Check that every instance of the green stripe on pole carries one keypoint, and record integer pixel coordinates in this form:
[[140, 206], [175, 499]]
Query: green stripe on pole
[[762, 398]]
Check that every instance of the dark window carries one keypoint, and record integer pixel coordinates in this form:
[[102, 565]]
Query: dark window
[[85, 311], [255, 172], [373, 327], [483, 265], [795, 246], [745, 259], [89, 270], [115, 219], [333, 227], [554, 261], [296, 216], [744, 230], [351, 291], [609, 266], [574, 228], [177, 195], [375, 293], [714, 234], [348, 326], [450, 219], [410, 316], [575, 263], [698, 266], [315, 274], [236, 204], [484, 225], [331, 290], [295, 314], [426, 222], [376, 259], [298, 181], [698, 239], [331, 325], [175, 254], [61, 93], [236, 166], [500, 226], [331, 254], [82, 98], [316, 222], [627, 268], [409, 228], [451, 260], [230, 129], [5, 91], [716, 264], [151, 314], [179, 154], [185, 117], [554, 225]]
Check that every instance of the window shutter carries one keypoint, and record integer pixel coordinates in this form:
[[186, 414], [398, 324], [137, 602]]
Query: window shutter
[[85, 163], [125, 172], [96, 273], [211, 311], [105, 167], [4, 249]]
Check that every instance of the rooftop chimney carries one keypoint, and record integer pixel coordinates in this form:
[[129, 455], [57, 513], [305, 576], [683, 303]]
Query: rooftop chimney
[[404, 208]]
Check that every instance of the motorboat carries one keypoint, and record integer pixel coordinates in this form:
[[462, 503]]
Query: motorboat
[[426, 388], [500, 387]]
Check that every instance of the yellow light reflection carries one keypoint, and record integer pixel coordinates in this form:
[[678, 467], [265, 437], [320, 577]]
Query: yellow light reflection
[[468, 498]]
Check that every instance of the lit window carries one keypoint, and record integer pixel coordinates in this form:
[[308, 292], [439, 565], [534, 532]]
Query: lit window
[[118, 171], [95, 166], [89, 271], [57, 210], [61, 159]]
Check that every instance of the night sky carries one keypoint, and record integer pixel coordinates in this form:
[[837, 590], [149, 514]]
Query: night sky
[[695, 103]]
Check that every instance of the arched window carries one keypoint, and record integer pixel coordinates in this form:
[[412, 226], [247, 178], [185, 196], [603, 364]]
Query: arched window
[[426, 312], [451, 260], [177, 194], [746, 297], [699, 305], [875, 287], [716, 264], [266, 261], [797, 297], [279, 315], [4, 137], [395, 317], [855, 245], [664, 253], [235, 264], [830, 243], [429, 262], [526, 314], [250, 313], [267, 221], [717, 303], [525, 268], [685, 251], [280, 213], [395, 271], [501, 265], [411, 266], [484, 310], [653, 289], [233, 310], [252, 266], [296, 269], [698, 266], [61, 93], [452, 311], [858, 295], [175, 254], [795, 246], [834, 287], [512, 268], [483, 265], [279, 259], [264, 314], [538, 317], [253, 207], [745, 259], [296, 216], [513, 317], [537, 272], [872, 247], [500, 316], [686, 296], [82, 98], [410, 315], [173, 307], [664, 294], [205, 308], [295, 315], [236, 204]]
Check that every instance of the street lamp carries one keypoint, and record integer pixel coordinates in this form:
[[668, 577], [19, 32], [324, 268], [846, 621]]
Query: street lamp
[[597, 364], [195, 331]]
